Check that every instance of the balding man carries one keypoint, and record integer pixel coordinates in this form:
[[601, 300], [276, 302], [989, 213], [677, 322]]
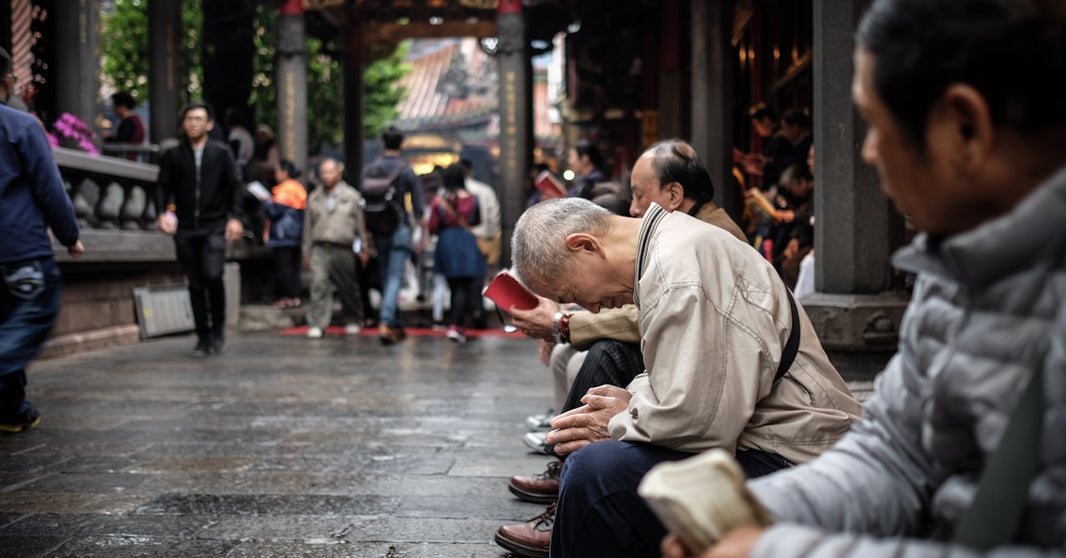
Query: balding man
[[730, 362], [332, 223]]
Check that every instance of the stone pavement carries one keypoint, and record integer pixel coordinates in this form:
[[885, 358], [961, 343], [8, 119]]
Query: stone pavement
[[283, 446]]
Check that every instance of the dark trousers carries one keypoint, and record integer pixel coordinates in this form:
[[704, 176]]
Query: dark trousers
[[287, 268], [477, 305], [461, 299], [29, 304], [202, 255], [600, 512], [608, 362]]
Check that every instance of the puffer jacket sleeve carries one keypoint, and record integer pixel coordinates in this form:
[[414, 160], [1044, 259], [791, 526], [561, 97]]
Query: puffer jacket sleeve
[[795, 540], [877, 480]]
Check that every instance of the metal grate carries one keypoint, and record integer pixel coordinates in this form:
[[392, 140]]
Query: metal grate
[[163, 310]]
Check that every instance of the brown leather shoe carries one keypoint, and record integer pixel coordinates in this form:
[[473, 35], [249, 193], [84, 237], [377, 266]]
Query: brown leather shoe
[[539, 489], [531, 538], [389, 335]]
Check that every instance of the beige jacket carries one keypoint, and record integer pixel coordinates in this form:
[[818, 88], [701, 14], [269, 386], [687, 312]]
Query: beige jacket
[[340, 226], [714, 318], [620, 324]]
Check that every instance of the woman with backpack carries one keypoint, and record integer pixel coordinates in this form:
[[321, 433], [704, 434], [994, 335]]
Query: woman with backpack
[[457, 256]]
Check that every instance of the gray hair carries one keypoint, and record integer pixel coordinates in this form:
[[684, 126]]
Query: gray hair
[[538, 244]]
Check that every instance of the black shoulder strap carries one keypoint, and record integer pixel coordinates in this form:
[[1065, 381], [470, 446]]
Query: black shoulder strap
[[994, 517], [788, 355]]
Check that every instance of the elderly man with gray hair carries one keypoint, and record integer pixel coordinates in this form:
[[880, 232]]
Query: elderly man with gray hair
[[731, 362]]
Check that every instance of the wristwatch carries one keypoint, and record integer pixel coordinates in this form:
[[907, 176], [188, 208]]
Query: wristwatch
[[557, 328]]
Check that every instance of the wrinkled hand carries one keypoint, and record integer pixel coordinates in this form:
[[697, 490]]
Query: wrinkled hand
[[234, 229], [586, 424], [536, 322], [544, 351], [736, 544], [76, 249]]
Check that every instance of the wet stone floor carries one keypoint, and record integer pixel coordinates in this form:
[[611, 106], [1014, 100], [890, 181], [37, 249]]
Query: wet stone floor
[[281, 447]]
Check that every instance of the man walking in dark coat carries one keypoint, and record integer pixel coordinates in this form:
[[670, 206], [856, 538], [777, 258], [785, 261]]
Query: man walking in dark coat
[[201, 177]]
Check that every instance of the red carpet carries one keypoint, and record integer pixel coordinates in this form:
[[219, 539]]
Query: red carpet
[[412, 331]]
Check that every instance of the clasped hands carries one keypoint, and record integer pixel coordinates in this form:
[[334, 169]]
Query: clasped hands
[[588, 423]]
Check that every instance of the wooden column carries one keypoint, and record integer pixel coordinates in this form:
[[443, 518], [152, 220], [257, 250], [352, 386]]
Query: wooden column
[[292, 83], [516, 134], [164, 69]]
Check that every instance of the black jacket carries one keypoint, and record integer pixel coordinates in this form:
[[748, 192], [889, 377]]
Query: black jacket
[[202, 202]]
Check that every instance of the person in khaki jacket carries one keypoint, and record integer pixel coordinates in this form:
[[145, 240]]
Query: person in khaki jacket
[[604, 347], [332, 223], [715, 320]]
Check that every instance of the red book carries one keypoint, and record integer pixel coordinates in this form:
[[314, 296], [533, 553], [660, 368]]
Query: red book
[[549, 186], [506, 291]]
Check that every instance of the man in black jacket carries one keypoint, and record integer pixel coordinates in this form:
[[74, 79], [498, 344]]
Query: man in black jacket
[[202, 178]]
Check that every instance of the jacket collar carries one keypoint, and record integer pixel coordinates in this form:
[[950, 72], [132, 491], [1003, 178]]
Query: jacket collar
[[648, 226], [1031, 232]]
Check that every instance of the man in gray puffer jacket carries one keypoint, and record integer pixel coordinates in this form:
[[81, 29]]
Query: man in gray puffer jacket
[[966, 106]]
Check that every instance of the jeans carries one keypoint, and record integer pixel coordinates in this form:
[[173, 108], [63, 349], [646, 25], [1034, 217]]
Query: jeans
[[202, 255], [600, 512], [29, 304], [393, 253]]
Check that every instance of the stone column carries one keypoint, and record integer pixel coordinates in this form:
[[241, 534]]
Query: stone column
[[712, 97], [292, 83], [516, 134], [857, 227], [164, 69], [354, 136], [77, 63]]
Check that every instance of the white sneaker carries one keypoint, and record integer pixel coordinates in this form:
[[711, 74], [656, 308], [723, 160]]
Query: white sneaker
[[352, 329], [455, 335], [540, 421], [314, 333], [535, 441]]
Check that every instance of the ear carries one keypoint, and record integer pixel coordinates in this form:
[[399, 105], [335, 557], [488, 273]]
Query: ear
[[673, 195], [969, 123], [583, 242]]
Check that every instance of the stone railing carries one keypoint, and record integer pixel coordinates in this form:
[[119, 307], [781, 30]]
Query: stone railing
[[108, 192]]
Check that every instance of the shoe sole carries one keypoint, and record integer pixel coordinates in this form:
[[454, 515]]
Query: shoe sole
[[520, 549], [16, 428], [533, 497]]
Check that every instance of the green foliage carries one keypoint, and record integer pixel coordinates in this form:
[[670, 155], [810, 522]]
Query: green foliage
[[325, 103], [192, 20], [264, 97], [382, 92], [124, 47]]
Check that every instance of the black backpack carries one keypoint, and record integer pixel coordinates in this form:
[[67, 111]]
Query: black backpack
[[383, 213]]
